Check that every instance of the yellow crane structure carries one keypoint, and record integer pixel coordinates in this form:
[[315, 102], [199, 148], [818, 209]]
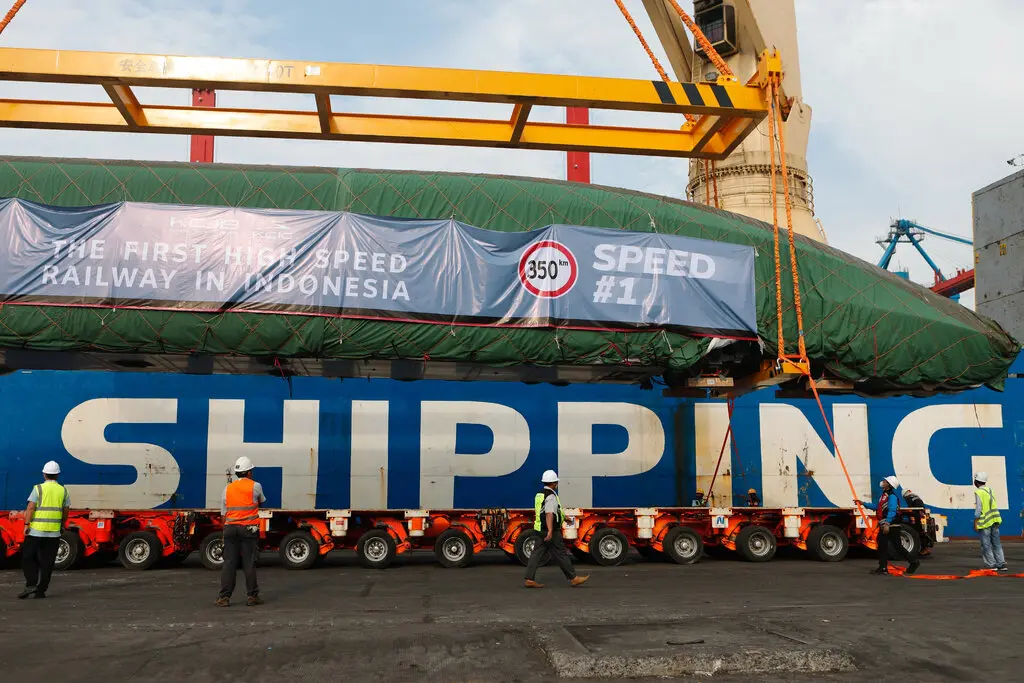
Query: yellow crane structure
[[723, 114]]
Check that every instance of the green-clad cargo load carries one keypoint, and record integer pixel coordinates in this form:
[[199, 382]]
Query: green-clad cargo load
[[862, 324]]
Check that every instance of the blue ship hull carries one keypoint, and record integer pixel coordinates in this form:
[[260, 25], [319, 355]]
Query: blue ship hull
[[130, 441]]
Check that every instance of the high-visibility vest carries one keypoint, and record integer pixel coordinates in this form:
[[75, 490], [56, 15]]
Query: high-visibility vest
[[49, 512], [989, 512], [242, 510], [539, 522]]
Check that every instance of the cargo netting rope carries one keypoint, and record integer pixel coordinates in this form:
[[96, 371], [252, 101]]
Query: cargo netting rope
[[865, 326]]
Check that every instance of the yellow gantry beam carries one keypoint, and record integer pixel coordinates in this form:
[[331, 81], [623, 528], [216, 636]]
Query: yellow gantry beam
[[725, 112]]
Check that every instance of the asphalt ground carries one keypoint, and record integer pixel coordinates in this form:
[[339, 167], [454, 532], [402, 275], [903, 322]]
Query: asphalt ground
[[793, 619]]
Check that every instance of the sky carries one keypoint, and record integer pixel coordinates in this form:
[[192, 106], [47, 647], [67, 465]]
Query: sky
[[914, 101]]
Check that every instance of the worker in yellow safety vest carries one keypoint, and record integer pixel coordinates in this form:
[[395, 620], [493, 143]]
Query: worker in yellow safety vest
[[45, 518], [239, 507], [986, 522], [548, 518]]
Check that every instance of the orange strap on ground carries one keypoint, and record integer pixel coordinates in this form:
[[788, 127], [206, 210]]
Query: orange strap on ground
[[10, 14], [973, 574]]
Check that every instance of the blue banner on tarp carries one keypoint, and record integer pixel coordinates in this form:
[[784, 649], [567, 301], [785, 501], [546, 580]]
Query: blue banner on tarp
[[343, 264]]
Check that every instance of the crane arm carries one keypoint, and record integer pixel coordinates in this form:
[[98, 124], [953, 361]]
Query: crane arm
[[907, 225]]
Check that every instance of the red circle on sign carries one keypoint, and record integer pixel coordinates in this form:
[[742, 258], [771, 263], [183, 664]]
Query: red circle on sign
[[531, 287]]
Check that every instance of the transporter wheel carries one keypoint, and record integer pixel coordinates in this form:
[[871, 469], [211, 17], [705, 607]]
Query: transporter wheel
[[756, 544], [827, 543], [649, 553], [526, 541], [453, 548], [70, 550], [299, 550], [683, 545], [3, 554], [176, 559], [910, 539], [139, 550], [376, 549], [580, 556], [609, 547], [211, 551]]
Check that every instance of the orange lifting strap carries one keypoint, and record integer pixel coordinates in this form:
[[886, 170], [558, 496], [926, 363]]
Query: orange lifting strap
[[10, 14], [973, 574]]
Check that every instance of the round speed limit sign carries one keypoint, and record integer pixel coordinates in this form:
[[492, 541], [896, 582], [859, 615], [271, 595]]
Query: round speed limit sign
[[548, 269]]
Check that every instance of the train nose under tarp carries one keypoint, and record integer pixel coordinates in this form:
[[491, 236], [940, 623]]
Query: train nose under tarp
[[870, 331]]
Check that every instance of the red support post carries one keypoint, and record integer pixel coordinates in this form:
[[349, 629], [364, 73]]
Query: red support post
[[202, 145], [577, 163]]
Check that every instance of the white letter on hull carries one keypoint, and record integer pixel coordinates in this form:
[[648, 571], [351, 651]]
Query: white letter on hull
[[439, 461], [577, 462], [787, 435], [369, 478], [296, 455], [912, 462], [157, 473], [711, 422]]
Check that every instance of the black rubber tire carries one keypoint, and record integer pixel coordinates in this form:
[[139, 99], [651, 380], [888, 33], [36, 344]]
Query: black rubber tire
[[376, 549], [298, 550], [211, 551], [609, 547], [683, 545], [524, 544], [139, 550], [827, 543], [650, 554], [756, 544], [70, 551], [910, 539], [453, 549], [511, 556], [3, 555], [176, 559], [580, 556]]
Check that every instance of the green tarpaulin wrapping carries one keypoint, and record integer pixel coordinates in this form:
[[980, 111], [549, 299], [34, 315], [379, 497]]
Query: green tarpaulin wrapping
[[862, 324]]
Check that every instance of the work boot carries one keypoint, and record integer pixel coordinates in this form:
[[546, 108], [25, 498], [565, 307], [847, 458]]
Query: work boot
[[222, 602], [29, 590], [253, 601], [530, 583], [913, 567], [879, 571], [579, 580]]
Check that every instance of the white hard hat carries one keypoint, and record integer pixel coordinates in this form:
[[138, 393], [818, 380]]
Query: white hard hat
[[51, 468], [981, 476], [549, 477], [893, 481], [243, 464]]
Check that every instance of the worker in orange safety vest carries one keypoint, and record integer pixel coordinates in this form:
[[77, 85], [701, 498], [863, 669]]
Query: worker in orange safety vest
[[239, 507]]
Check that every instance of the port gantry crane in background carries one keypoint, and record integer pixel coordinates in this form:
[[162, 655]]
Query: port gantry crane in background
[[906, 231]]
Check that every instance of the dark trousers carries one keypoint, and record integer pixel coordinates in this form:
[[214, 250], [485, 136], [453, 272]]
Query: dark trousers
[[889, 544], [241, 544], [37, 558], [555, 548]]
